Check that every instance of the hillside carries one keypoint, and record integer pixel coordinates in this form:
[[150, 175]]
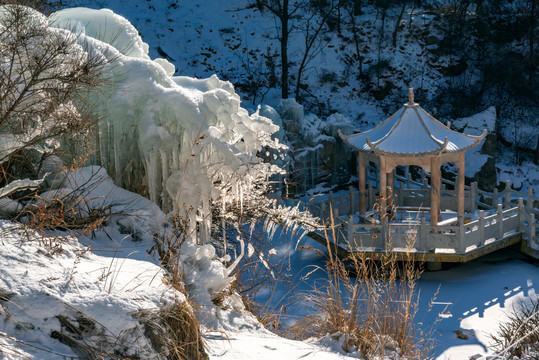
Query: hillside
[[461, 57]]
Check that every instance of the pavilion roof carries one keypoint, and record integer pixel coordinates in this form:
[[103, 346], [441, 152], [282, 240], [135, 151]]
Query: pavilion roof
[[411, 131]]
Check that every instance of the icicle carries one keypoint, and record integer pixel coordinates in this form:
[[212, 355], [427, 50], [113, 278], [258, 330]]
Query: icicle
[[241, 199]]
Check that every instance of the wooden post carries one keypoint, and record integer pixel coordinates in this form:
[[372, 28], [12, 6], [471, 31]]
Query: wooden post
[[481, 227], [371, 195], [473, 195], [529, 200], [499, 221], [361, 170], [507, 199], [460, 186], [434, 190], [390, 189], [383, 187], [521, 226]]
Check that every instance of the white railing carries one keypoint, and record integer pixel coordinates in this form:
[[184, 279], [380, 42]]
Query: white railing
[[425, 237], [454, 238]]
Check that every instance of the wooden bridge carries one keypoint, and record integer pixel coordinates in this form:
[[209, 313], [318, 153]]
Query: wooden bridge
[[492, 221]]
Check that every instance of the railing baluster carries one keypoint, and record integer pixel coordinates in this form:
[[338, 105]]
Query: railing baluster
[[529, 200], [351, 199], [507, 200], [521, 226], [461, 235], [481, 227], [531, 223], [499, 221], [350, 228]]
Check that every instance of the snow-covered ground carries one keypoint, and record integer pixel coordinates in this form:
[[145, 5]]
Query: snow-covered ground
[[108, 276], [473, 298]]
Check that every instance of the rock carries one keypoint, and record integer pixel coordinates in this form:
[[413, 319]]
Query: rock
[[431, 40]]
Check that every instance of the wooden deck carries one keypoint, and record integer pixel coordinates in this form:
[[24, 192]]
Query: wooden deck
[[502, 219]]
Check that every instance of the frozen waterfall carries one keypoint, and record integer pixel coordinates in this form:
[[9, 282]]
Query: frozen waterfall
[[181, 141]]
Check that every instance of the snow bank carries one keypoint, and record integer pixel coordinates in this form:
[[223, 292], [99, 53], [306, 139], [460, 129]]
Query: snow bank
[[47, 286]]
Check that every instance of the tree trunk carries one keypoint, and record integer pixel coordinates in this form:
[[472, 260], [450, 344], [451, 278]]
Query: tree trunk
[[396, 31], [357, 8], [284, 50], [536, 157]]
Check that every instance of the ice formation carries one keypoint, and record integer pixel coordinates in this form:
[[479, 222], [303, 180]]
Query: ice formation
[[320, 158], [181, 140]]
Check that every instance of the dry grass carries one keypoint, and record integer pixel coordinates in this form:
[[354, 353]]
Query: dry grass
[[373, 313], [519, 336], [174, 331]]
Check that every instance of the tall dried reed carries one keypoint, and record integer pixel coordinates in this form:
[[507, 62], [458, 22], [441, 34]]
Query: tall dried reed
[[372, 312]]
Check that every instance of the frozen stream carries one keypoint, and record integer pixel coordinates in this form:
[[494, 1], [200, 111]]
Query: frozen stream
[[473, 297]]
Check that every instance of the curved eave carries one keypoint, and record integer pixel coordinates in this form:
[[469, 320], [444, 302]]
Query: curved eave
[[345, 140], [372, 147]]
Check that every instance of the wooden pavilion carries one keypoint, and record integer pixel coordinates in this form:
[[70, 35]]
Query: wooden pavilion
[[411, 136]]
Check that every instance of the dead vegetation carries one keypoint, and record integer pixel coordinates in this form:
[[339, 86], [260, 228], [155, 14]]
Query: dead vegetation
[[372, 312], [518, 337], [175, 331]]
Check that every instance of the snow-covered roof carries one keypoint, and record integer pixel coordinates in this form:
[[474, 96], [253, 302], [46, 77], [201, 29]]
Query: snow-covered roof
[[411, 131]]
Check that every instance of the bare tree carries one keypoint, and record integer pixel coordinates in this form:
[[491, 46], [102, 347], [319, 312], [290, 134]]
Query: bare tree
[[284, 11], [313, 46], [46, 76]]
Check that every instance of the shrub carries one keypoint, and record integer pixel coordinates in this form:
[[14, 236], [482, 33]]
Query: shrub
[[519, 336], [46, 78]]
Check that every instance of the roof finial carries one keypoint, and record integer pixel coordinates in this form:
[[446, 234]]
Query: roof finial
[[411, 96]]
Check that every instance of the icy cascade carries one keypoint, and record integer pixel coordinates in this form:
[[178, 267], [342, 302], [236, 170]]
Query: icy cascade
[[182, 141], [320, 158]]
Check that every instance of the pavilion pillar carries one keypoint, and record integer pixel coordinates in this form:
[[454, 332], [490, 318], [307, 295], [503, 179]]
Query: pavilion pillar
[[435, 190], [361, 171], [383, 186], [390, 192], [460, 186]]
